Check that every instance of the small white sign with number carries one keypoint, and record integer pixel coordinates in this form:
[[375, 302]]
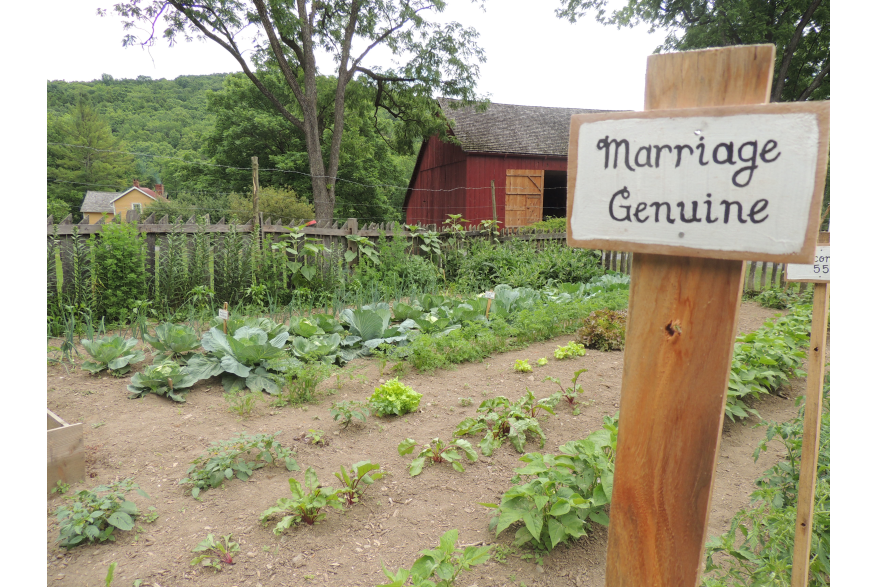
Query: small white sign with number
[[819, 270], [489, 295], [223, 314]]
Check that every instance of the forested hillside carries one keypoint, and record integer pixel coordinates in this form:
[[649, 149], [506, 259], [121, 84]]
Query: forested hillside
[[196, 135]]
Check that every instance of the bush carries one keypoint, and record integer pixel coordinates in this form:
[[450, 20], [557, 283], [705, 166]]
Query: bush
[[394, 397], [603, 330], [119, 270], [519, 263]]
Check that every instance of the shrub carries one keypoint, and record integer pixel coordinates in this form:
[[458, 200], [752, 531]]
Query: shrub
[[119, 270], [519, 263], [603, 330], [393, 397]]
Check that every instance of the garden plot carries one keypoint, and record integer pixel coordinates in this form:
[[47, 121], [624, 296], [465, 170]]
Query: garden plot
[[154, 440]]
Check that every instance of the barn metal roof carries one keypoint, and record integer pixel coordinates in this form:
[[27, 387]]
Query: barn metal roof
[[509, 128]]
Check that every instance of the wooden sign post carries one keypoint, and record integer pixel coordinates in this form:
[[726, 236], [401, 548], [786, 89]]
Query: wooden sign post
[[701, 181], [818, 272], [223, 315]]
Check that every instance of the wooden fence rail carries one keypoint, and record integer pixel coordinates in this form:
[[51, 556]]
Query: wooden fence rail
[[759, 275]]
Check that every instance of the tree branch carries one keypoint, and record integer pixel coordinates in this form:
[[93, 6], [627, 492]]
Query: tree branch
[[268, 26], [239, 58], [817, 81], [790, 50], [382, 78]]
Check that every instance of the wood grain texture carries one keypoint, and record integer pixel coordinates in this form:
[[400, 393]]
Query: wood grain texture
[[679, 343], [821, 111], [65, 452], [810, 442]]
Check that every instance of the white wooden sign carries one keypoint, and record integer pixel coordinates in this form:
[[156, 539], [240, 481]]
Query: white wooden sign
[[489, 295], [725, 182], [223, 314], [818, 271]]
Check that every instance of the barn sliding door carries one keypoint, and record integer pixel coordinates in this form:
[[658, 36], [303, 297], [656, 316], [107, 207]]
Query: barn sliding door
[[524, 189]]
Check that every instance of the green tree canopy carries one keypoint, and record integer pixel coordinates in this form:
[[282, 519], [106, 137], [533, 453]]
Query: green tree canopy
[[798, 28], [247, 124], [433, 58], [83, 154]]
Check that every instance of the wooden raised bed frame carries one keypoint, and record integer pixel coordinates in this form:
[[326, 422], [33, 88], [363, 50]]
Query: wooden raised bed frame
[[66, 451]]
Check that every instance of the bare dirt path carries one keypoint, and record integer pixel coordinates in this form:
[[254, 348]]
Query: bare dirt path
[[153, 440]]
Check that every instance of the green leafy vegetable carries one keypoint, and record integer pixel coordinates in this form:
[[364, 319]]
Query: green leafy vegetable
[[174, 340], [306, 504], [93, 518], [437, 451], [111, 352], [246, 359], [443, 564], [162, 378], [603, 330], [394, 397], [225, 459], [213, 552], [361, 475]]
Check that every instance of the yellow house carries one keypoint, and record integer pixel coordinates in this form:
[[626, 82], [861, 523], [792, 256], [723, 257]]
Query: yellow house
[[96, 205]]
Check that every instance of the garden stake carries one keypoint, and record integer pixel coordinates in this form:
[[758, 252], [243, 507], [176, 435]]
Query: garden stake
[[687, 279], [812, 424]]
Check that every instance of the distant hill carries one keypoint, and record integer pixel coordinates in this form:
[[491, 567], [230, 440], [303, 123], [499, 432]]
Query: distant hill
[[159, 117]]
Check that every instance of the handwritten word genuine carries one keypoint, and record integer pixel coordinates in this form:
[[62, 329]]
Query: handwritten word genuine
[[747, 153]]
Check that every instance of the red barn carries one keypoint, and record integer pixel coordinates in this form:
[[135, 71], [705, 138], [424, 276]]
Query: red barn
[[523, 149]]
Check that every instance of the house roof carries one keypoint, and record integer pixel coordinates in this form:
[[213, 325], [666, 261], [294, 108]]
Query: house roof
[[509, 128], [102, 202], [143, 190], [99, 202]]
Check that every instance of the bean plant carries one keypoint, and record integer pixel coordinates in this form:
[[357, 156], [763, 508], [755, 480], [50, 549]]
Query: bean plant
[[92, 517], [556, 497], [226, 459]]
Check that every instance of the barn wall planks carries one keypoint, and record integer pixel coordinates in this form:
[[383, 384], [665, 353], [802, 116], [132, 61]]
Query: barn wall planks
[[451, 181]]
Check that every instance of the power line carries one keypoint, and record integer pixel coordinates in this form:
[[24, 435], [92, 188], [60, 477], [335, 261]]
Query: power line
[[264, 169]]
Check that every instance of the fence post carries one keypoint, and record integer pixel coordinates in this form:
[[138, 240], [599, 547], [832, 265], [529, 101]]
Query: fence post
[[352, 227]]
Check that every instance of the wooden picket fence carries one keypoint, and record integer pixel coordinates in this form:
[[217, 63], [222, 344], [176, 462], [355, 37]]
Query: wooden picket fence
[[759, 275], [332, 235]]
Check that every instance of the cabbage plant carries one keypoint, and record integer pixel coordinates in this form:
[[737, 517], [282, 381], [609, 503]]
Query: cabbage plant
[[247, 359], [271, 328], [162, 378], [370, 328], [111, 352], [174, 340]]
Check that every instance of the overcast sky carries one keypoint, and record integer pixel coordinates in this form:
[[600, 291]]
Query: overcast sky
[[533, 58]]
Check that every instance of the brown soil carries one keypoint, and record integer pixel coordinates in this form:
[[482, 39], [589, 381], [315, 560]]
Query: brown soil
[[153, 440]]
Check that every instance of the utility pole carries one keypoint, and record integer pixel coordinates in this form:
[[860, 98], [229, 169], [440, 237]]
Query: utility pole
[[255, 162]]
